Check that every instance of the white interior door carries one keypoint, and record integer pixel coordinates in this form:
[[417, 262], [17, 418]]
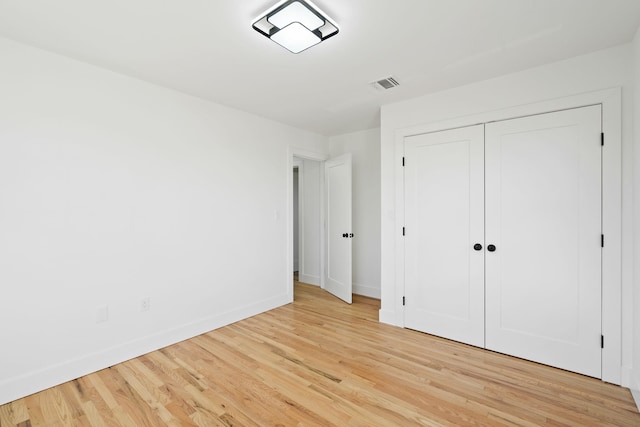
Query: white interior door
[[339, 234], [444, 219], [543, 215]]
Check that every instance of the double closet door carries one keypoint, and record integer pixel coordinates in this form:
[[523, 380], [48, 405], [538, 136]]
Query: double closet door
[[503, 237]]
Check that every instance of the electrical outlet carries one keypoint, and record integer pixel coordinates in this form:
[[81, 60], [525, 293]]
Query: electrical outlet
[[102, 314], [145, 304]]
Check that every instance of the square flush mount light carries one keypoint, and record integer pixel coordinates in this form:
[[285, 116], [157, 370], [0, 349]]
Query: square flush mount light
[[295, 25]]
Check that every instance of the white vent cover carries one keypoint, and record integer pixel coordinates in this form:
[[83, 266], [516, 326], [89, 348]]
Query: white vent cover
[[384, 84]]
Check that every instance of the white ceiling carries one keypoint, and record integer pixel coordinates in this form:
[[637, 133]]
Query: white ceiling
[[207, 48]]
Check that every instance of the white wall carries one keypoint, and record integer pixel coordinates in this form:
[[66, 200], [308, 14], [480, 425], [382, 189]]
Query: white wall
[[596, 71], [365, 149], [112, 190], [635, 383]]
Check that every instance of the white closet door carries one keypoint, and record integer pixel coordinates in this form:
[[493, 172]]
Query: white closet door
[[444, 218], [543, 214]]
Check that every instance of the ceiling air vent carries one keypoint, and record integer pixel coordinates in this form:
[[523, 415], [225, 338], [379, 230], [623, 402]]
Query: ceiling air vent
[[385, 84]]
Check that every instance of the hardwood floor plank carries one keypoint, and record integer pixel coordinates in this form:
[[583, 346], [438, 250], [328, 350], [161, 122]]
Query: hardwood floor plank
[[94, 415], [34, 410], [321, 362], [130, 407], [55, 407], [14, 413], [149, 394]]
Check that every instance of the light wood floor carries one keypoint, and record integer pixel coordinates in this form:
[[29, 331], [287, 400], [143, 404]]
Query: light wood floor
[[321, 362]]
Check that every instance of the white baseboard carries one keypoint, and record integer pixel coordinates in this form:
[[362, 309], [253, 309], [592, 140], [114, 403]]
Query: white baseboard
[[307, 278], [634, 386], [388, 317], [636, 397], [366, 291], [50, 376]]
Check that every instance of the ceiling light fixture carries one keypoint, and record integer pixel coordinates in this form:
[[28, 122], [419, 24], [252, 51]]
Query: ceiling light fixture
[[295, 25]]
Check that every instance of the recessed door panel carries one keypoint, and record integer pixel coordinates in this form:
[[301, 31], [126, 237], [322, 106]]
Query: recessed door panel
[[543, 215], [444, 288]]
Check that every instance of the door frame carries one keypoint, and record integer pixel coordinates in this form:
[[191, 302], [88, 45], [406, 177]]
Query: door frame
[[611, 101], [293, 152], [299, 165]]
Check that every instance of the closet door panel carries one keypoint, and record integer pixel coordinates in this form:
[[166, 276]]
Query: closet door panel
[[543, 214], [444, 218]]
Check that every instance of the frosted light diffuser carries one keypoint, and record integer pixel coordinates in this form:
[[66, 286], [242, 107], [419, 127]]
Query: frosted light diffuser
[[295, 25], [295, 37]]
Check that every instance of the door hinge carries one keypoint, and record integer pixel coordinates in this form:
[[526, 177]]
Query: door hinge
[[602, 138], [403, 301], [403, 231], [601, 341], [402, 161], [602, 240]]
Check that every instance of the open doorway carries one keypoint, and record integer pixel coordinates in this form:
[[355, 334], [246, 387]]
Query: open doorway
[[306, 257], [319, 223]]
